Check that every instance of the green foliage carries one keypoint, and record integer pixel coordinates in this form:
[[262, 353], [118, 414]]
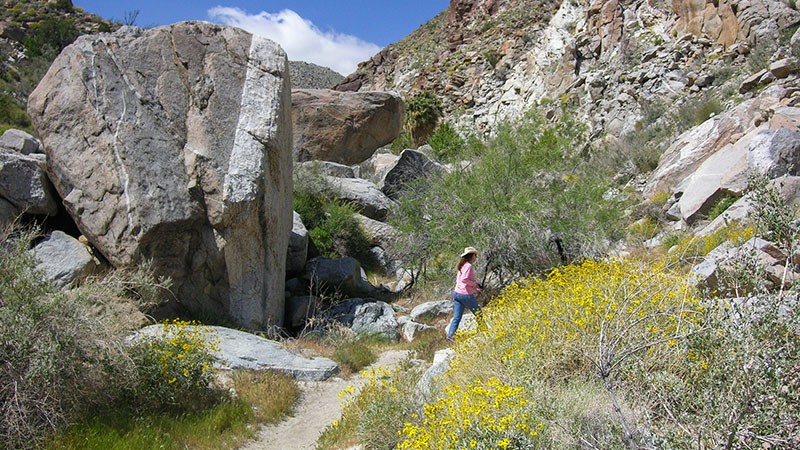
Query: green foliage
[[353, 354], [447, 144], [771, 213], [422, 115], [63, 353], [262, 397], [530, 187], [332, 225], [722, 205], [402, 142], [739, 387], [12, 115], [50, 36]]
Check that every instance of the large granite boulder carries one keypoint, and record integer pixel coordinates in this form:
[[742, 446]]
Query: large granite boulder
[[174, 144], [343, 127]]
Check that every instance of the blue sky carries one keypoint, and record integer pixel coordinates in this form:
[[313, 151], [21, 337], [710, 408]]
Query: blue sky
[[336, 34]]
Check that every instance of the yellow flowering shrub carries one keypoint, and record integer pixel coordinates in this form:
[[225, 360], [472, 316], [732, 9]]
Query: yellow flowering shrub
[[586, 318], [482, 415], [176, 368]]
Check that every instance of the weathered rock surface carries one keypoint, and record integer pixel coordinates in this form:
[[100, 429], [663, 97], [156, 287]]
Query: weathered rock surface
[[364, 195], [342, 127], [298, 246], [174, 144], [411, 166], [376, 319], [429, 383], [430, 311], [24, 183], [20, 142], [411, 329], [334, 275], [241, 350], [64, 259]]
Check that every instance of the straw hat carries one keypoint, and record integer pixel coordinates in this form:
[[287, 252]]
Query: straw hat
[[469, 250]]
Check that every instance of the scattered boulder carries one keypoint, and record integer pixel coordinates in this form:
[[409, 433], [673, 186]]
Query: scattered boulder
[[173, 144], [298, 246], [364, 195], [18, 141], [411, 166], [241, 350], [24, 183], [411, 329], [344, 312], [379, 233], [376, 319], [429, 383], [376, 168], [343, 127], [64, 259], [432, 311]]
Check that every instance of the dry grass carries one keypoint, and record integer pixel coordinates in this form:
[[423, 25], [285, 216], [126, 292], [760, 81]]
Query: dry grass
[[270, 394]]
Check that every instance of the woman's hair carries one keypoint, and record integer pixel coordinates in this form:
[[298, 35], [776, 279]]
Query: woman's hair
[[464, 259]]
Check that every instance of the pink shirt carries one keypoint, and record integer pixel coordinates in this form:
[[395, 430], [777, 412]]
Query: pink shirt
[[465, 280]]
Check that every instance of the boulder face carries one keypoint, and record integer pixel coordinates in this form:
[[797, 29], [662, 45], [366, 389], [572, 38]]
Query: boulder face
[[343, 127], [174, 144]]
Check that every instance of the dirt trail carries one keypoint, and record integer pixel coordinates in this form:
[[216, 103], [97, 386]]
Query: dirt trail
[[319, 405]]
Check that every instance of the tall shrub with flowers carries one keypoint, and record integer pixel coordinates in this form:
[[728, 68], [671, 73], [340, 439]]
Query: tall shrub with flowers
[[176, 369], [592, 321]]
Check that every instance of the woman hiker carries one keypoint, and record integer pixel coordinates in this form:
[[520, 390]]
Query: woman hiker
[[465, 290]]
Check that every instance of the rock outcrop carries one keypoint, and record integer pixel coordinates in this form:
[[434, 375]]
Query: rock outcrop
[[343, 127], [174, 144]]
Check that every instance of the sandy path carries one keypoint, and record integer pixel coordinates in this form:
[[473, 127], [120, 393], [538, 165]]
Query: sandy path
[[319, 406]]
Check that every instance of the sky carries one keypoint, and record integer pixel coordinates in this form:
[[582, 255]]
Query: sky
[[335, 34]]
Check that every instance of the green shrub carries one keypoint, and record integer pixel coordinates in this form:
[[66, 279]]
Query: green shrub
[[530, 191], [12, 115], [447, 144], [340, 233], [50, 36], [422, 115], [353, 354], [722, 205], [63, 354]]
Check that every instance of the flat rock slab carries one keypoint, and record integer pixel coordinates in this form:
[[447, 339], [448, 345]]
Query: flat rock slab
[[241, 350]]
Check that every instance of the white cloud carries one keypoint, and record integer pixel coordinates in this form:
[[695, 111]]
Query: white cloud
[[300, 38]]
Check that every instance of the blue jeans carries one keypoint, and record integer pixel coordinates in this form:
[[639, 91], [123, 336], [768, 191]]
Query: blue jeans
[[460, 301]]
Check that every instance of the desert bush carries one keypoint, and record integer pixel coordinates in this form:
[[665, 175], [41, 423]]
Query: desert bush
[[531, 201], [50, 36], [374, 414], [739, 385], [63, 356], [447, 144], [771, 214]]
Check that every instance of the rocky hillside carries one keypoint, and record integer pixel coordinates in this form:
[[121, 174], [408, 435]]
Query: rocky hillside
[[311, 76], [32, 33], [612, 59]]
